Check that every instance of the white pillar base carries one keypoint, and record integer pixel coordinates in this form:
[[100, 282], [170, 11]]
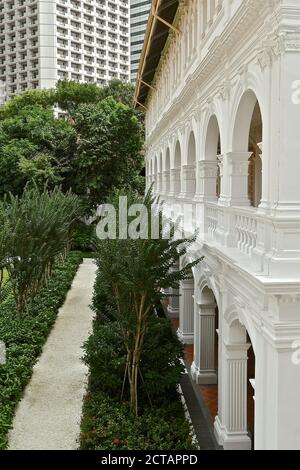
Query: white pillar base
[[231, 440], [185, 338], [203, 377]]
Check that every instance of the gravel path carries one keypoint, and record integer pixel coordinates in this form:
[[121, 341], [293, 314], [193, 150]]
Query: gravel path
[[48, 416]]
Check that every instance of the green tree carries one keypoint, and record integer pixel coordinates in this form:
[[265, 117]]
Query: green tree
[[120, 91], [70, 94], [34, 146], [109, 149], [44, 98], [135, 273]]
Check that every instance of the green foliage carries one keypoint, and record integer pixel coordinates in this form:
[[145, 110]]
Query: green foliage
[[135, 272], [44, 98], [37, 229], [160, 367], [34, 146], [40, 170], [120, 91], [25, 338], [93, 151], [70, 94], [105, 159], [11, 153], [109, 425], [83, 238], [105, 355]]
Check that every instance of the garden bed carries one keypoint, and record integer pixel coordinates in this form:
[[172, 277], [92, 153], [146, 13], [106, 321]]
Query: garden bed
[[24, 337], [107, 421], [109, 425]]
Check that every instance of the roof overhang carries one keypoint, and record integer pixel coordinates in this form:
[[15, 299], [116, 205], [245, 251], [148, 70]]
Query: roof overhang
[[160, 22]]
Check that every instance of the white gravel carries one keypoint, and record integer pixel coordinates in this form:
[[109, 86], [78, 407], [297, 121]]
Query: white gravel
[[48, 416]]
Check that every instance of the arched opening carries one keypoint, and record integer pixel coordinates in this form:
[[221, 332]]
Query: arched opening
[[212, 154], [150, 173], [155, 176], [206, 342], [159, 174], [255, 162], [191, 165], [247, 138], [167, 172], [177, 169]]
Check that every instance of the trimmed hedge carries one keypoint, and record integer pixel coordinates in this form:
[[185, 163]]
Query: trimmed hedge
[[24, 338]]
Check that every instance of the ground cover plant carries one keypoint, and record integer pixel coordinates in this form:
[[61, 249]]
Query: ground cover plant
[[25, 337]]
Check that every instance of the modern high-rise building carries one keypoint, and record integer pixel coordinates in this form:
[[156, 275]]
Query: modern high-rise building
[[139, 13], [44, 41]]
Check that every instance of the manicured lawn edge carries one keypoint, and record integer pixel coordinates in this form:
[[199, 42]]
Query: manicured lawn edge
[[24, 338]]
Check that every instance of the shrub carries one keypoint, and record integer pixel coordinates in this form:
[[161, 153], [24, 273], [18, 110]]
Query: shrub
[[25, 338], [38, 227], [108, 425], [160, 367], [83, 237]]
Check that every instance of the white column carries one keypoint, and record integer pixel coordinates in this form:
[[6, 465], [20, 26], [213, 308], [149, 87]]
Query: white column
[[203, 367], [159, 183], [175, 181], [166, 182], [207, 171], [277, 376], [232, 433], [188, 188], [237, 174], [186, 312]]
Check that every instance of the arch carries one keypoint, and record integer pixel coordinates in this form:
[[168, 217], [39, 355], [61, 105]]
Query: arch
[[155, 175], [167, 170], [239, 314], [168, 160], [155, 165], [191, 156], [213, 139], [242, 121], [203, 283], [160, 162], [248, 137], [177, 155]]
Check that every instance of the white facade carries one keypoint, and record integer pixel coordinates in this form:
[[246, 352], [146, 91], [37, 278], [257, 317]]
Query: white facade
[[44, 41], [222, 126]]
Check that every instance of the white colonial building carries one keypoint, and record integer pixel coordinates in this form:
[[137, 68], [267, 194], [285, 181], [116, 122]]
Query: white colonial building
[[220, 85]]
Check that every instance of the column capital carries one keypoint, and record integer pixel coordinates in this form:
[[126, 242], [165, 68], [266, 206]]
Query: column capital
[[236, 351], [175, 172], [206, 309], [207, 168]]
